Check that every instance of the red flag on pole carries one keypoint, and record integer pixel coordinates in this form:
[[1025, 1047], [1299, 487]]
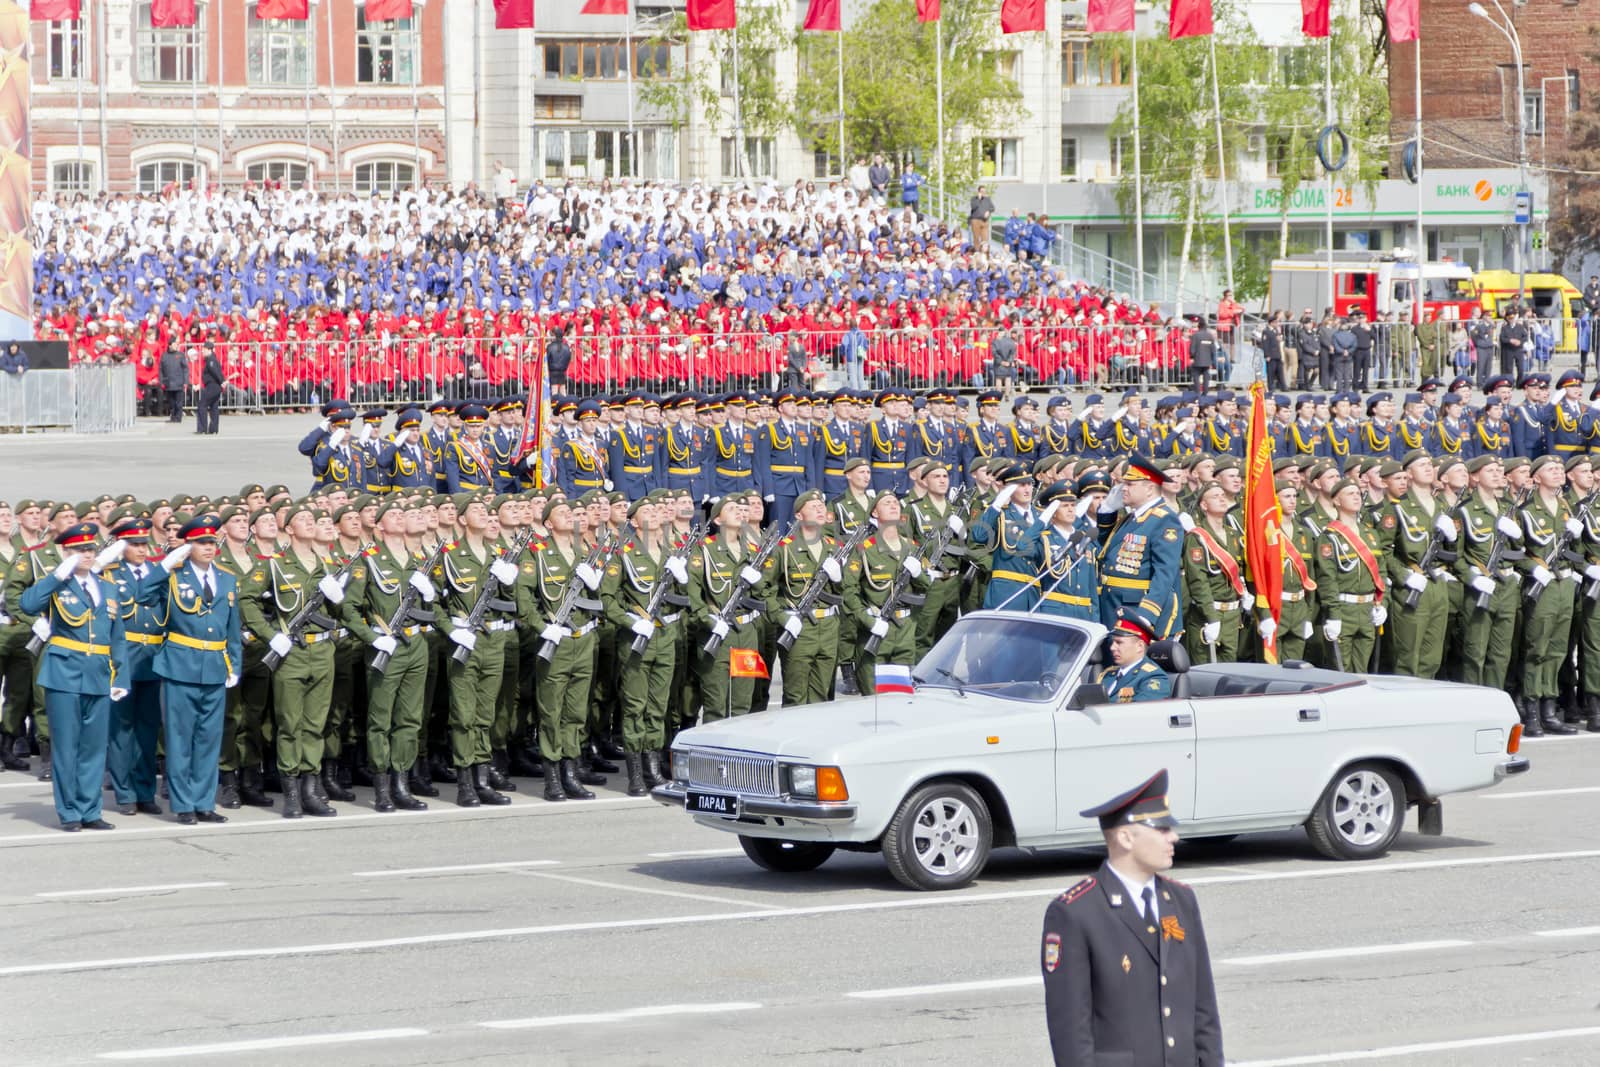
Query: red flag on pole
[[927, 10], [822, 15], [536, 420], [1405, 20], [1110, 16], [54, 11], [168, 14], [711, 15], [288, 10], [1021, 16], [1263, 533], [1190, 18], [605, 7], [388, 10], [1314, 17], [513, 14], [746, 663]]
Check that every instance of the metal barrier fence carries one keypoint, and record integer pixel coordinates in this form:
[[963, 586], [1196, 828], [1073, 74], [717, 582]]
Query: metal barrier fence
[[105, 398], [87, 398]]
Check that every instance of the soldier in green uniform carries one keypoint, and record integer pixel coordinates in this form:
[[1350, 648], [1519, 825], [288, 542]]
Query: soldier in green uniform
[[1491, 594], [766, 629], [1349, 580], [808, 664], [930, 514], [850, 509], [715, 572], [349, 682], [1297, 610], [980, 554], [245, 723], [868, 579], [1213, 581], [1547, 525], [509, 519], [1409, 523], [16, 665], [1586, 613]]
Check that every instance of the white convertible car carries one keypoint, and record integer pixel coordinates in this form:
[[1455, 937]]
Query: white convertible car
[[1007, 738]]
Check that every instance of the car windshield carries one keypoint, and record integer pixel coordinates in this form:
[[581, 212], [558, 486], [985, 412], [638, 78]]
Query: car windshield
[[1014, 658]]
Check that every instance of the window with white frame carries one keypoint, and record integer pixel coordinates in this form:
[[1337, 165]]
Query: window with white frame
[[997, 157], [386, 50], [279, 51], [1533, 111], [169, 54], [157, 175], [755, 162], [1069, 156], [286, 172], [72, 176], [384, 177], [69, 51]]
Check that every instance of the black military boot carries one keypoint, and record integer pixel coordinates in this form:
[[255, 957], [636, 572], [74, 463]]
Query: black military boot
[[1530, 718], [440, 771], [466, 795], [44, 761], [1572, 713], [402, 794], [382, 799], [1594, 714], [312, 801], [497, 766], [587, 774], [598, 761], [271, 780], [652, 769], [8, 754], [227, 790], [1551, 714], [570, 783], [291, 796], [636, 786], [610, 749], [250, 791], [355, 759], [486, 792], [847, 680], [419, 784], [524, 764], [552, 782], [330, 782]]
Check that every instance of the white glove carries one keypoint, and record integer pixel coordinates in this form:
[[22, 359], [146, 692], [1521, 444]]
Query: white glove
[[366, 432], [68, 564], [465, 638], [385, 644], [769, 498], [1049, 512], [554, 634], [1592, 572], [678, 569], [1446, 526], [118, 694], [1417, 582], [1483, 585], [1210, 632], [1379, 614], [1306, 630], [336, 438], [1003, 497], [644, 628], [1574, 528], [1508, 526], [423, 586], [281, 644], [912, 565], [749, 575], [1122, 409], [588, 576], [1186, 521], [231, 682], [881, 628], [793, 624], [1331, 629], [1113, 500], [1266, 628], [41, 628], [323, 425], [1542, 575], [505, 572], [109, 554], [719, 629], [955, 525], [1081, 507], [174, 559], [1246, 603], [330, 588], [831, 568]]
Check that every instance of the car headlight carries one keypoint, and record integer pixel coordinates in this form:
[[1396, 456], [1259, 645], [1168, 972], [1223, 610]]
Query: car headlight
[[678, 764], [819, 783], [803, 781]]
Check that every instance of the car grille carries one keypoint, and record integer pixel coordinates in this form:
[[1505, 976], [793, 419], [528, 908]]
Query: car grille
[[739, 774]]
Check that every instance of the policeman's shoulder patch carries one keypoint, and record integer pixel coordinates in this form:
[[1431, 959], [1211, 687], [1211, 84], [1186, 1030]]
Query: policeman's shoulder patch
[[1076, 892]]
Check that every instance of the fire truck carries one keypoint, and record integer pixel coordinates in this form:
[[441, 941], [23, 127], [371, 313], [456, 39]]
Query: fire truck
[[1373, 282]]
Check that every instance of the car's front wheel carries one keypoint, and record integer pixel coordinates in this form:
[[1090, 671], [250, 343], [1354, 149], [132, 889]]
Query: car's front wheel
[[785, 857], [1359, 814], [940, 837]]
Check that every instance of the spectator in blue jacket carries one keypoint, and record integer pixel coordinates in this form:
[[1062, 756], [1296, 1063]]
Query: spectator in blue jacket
[[13, 360], [911, 189], [1040, 238]]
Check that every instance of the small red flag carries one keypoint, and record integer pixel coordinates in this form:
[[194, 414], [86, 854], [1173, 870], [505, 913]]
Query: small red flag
[[1405, 20], [167, 14], [1190, 18], [605, 7], [289, 10], [388, 10], [1021, 16], [54, 11], [822, 15], [1314, 17], [711, 15], [513, 14], [1110, 16], [746, 663], [927, 10]]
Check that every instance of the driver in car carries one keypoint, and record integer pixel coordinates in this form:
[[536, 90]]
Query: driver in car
[[1135, 677]]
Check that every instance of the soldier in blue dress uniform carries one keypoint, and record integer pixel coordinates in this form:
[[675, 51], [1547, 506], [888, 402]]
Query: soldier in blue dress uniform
[[1141, 549], [467, 465], [337, 463], [369, 441], [939, 436], [404, 461], [1000, 529], [1024, 437], [1092, 429], [503, 442], [638, 460], [684, 445], [437, 439], [1133, 677], [319, 433], [1056, 433], [786, 459], [888, 444], [136, 719], [731, 450], [839, 440], [1529, 438], [987, 438], [1567, 420], [1068, 585]]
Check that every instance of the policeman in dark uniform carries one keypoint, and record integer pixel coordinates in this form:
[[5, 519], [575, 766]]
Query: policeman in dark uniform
[[1127, 975]]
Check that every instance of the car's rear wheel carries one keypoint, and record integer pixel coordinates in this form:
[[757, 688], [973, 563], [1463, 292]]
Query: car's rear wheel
[[1360, 813], [940, 838], [785, 857]]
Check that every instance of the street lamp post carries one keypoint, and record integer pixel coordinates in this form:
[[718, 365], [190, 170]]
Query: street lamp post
[[1508, 30]]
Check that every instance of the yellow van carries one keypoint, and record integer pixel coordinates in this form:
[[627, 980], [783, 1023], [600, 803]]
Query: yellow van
[[1551, 296]]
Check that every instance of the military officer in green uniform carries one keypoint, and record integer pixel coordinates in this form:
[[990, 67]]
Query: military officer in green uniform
[[717, 569], [850, 509], [1134, 678], [980, 557], [1213, 581], [247, 718], [1409, 524], [929, 514], [33, 561], [1549, 529], [868, 579], [1492, 594], [1349, 580], [16, 664], [808, 664], [1297, 610]]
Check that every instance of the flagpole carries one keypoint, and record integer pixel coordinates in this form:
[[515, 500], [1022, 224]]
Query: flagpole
[[633, 147], [416, 78], [1327, 175], [1138, 176], [80, 50], [844, 168], [310, 80], [1422, 240], [738, 114], [1222, 163], [938, 93], [333, 112], [221, 40], [102, 31], [194, 96]]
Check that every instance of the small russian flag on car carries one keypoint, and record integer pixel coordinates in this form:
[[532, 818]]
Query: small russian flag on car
[[893, 678]]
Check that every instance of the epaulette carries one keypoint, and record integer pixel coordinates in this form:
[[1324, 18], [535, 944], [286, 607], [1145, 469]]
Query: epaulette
[[711, 540], [628, 546], [869, 542], [540, 547], [1077, 891], [787, 541], [1160, 511], [1147, 667], [450, 546], [370, 550], [272, 555]]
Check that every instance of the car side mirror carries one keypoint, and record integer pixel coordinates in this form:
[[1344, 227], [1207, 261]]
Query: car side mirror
[[1087, 695]]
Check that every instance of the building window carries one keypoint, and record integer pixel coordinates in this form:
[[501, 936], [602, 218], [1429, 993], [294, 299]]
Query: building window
[[1007, 64], [655, 61], [997, 157], [72, 177], [1089, 63], [1069, 156], [558, 106], [173, 54], [69, 51], [1533, 111], [605, 60], [386, 50], [1574, 99], [755, 162], [1117, 146], [282, 171], [153, 177], [279, 51], [608, 154], [385, 177]]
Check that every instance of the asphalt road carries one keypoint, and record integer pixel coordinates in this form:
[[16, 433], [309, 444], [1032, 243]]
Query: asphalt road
[[616, 931]]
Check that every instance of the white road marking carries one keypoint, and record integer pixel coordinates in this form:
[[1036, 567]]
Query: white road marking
[[622, 1015], [1540, 793], [44, 787], [701, 897], [1572, 931], [695, 852], [120, 890], [948, 987], [401, 872], [1345, 953], [1397, 1051], [1561, 740], [266, 1043]]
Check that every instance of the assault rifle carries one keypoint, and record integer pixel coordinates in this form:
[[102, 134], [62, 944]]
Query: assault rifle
[[817, 589], [407, 611], [739, 599], [1561, 552], [660, 595], [311, 613], [1499, 552], [1435, 554], [572, 599], [900, 594], [489, 598]]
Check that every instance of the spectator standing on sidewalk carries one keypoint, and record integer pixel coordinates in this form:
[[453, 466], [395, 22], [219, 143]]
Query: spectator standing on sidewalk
[[978, 215], [878, 176], [174, 375], [911, 184], [1229, 312]]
